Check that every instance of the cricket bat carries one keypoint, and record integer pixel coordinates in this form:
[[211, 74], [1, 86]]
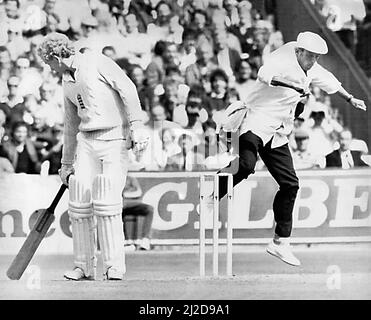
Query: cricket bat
[[38, 232]]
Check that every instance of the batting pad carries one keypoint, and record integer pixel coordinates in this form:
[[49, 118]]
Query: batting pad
[[107, 206], [80, 211]]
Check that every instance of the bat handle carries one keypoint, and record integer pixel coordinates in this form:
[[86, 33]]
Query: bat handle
[[57, 198]]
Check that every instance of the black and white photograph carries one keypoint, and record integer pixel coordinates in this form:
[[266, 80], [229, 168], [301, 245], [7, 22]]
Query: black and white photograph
[[185, 155]]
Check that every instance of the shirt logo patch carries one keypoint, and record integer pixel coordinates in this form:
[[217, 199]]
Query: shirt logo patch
[[81, 102]]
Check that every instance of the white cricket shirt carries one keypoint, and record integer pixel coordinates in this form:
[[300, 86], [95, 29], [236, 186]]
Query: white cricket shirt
[[272, 108]]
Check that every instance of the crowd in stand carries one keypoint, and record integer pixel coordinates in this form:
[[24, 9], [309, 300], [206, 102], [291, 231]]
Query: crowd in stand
[[189, 60], [351, 21]]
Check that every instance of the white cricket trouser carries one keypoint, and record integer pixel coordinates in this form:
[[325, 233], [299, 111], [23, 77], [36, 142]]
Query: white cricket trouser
[[100, 175]]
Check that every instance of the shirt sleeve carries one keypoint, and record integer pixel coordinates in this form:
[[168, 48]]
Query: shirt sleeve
[[267, 72], [324, 79], [71, 128], [120, 82]]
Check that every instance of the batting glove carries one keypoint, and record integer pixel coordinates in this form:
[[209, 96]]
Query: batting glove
[[139, 137], [65, 171]]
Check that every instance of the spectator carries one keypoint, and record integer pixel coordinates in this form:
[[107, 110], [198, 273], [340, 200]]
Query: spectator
[[17, 44], [188, 49], [5, 164], [321, 135], [5, 59], [226, 57], [188, 159], [245, 78], [53, 152], [155, 72], [21, 151], [14, 96], [169, 142], [342, 18], [199, 23], [344, 157], [175, 31], [137, 217], [171, 98], [303, 159], [136, 74], [24, 111], [88, 34], [110, 52], [274, 42], [160, 28], [218, 98], [138, 44], [49, 109], [199, 72], [231, 18], [244, 30], [30, 78], [218, 26]]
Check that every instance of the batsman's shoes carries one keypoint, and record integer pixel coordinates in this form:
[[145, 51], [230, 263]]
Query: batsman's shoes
[[77, 274], [114, 274], [283, 251]]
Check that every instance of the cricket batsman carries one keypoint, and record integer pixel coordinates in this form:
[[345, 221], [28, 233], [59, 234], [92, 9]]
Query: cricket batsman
[[102, 119], [282, 84]]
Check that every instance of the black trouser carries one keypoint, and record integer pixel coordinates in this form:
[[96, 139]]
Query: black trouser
[[279, 164]]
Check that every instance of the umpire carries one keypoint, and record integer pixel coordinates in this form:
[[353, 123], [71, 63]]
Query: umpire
[[283, 83]]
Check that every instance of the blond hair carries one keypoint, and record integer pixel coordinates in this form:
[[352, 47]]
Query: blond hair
[[57, 45]]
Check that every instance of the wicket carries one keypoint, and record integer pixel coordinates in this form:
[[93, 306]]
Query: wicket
[[202, 226]]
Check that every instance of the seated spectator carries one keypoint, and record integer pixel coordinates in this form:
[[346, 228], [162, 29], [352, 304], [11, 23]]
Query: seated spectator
[[226, 57], [136, 74], [321, 135], [218, 26], [137, 217], [110, 52], [5, 59], [30, 78], [49, 109], [21, 151], [169, 138], [303, 159], [196, 113], [24, 111], [172, 97], [175, 30], [198, 73], [188, 159], [155, 72], [138, 44], [17, 44], [245, 79], [14, 96], [53, 152], [344, 157], [5, 164], [40, 133], [159, 29], [231, 18], [199, 23], [188, 49], [51, 20], [218, 99], [244, 30], [275, 41]]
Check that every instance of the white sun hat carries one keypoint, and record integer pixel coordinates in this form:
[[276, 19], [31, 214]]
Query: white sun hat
[[312, 42]]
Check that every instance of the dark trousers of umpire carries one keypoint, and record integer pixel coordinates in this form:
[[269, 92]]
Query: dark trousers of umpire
[[279, 163]]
